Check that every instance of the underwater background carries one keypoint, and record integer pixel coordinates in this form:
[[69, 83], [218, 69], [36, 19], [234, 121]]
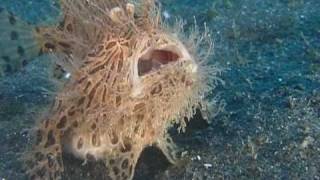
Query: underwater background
[[270, 126]]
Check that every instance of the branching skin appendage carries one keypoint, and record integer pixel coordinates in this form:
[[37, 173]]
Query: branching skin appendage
[[131, 80]]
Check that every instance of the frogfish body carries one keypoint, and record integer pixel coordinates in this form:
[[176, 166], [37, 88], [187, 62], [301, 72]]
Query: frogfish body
[[131, 79]]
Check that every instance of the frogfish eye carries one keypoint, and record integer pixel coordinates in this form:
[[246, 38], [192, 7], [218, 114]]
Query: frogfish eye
[[154, 59]]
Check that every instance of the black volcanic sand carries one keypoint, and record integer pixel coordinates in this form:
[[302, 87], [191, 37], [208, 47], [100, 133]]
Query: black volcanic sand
[[270, 128]]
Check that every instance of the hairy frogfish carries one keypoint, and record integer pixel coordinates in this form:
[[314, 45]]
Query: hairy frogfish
[[132, 77]]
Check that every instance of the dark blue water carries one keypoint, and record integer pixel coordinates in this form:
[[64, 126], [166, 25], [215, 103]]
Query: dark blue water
[[270, 128]]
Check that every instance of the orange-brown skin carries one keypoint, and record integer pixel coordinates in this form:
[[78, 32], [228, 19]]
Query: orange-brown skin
[[128, 86]]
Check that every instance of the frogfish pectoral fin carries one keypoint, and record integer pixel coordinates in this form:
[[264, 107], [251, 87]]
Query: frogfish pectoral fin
[[168, 148], [121, 166]]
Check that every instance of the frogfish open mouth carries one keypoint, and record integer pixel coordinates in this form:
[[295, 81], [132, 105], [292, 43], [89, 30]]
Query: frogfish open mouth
[[131, 78]]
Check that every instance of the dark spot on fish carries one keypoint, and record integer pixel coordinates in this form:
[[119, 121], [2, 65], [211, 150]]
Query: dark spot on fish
[[81, 101], [39, 156], [80, 143], [51, 160], [82, 79], [62, 122], [69, 28], [49, 46], [123, 175], [118, 101], [114, 138], [12, 20], [126, 146], [6, 58], [71, 112], [96, 69], [20, 51], [156, 90], [41, 172], [64, 45], [38, 137], [125, 164], [14, 36], [95, 140], [87, 86], [75, 124], [110, 45], [116, 170], [51, 139]]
